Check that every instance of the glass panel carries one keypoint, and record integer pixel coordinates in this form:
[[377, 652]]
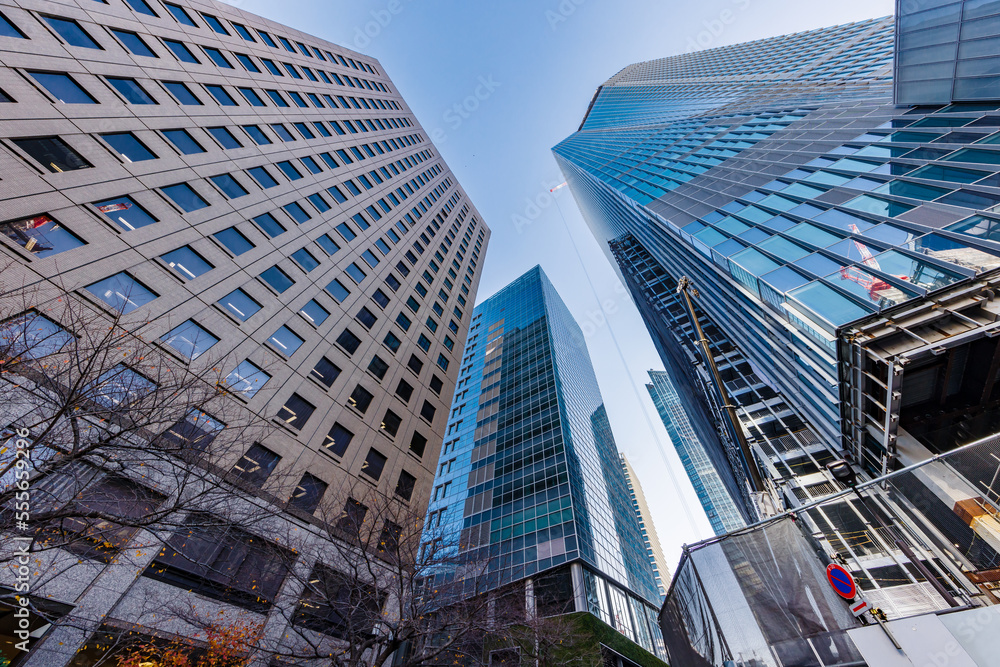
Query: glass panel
[[41, 235], [130, 90], [185, 197], [122, 292], [221, 96], [832, 306], [230, 186], [63, 88], [184, 142], [190, 340], [71, 32], [247, 379], [224, 137], [284, 340], [182, 93], [277, 279], [53, 153], [187, 263], [315, 313], [239, 304], [128, 147], [134, 43], [32, 335], [234, 241]]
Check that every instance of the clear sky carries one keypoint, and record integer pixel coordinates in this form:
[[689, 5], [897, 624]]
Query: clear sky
[[496, 85]]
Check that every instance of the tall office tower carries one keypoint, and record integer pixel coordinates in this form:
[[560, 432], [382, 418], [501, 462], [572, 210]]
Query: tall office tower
[[231, 189], [722, 510], [843, 253], [529, 477], [661, 572]]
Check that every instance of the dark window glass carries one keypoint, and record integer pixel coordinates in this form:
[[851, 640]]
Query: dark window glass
[[405, 485], [182, 93], [304, 131], [370, 258], [230, 186], [314, 313], [277, 279], [234, 241], [404, 390], [366, 317], [256, 465], [417, 444], [360, 398], [292, 71], [320, 203], [125, 212], [380, 298], [257, 135], [296, 212], [326, 372], [289, 170], [243, 32], [346, 232], [412, 304], [350, 524], [391, 423], [271, 67], [185, 197], [337, 440], [130, 90], [186, 263], [183, 141], [134, 43], [337, 195], [415, 364], [378, 367], [195, 432], [355, 272], [308, 493], [403, 321], [392, 342], [239, 304], [424, 343], [428, 411], [8, 29], [251, 96], [182, 52], [181, 15], [296, 411], [225, 138], [40, 235], [266, 38], [331, 162], [299, 102], [54, 153], [374, 464], [70, 31], [337, 290], [393, 282], [277, 98], [247, 63], [348, 341], [215, 24], [442, 361], [221, 96]]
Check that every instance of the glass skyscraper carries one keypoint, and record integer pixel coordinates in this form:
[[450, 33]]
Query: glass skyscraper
[[529, 476], [844, 250]]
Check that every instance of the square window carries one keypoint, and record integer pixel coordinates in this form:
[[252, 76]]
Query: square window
[[234, 241], [215, 55], [125, 212], [356, 274], [403, 321], [289, 170], [229, 186], [328, 245], [392, 342], [240, 305], [181, 51], [130, 90], [277, 98], [120, 386], [251, 96], [53, 153], [256, 465], [442, 362], [182, 93], [183, 141], [415, 364], [195, 432], [374, 464], [277, 279], [391, 423], [337, 290], [380, 298], [33, 336], [180, 15], [427, 411], [311, 164], [141, 7], [247, 379], [133, 43], [190, 340], [296, 212], [346, 232], [185, 197], [221, 96], [122, 292], [393, 282], [225, 138], [404, 390], [286, 341], [257, 135], [348, 341], [248, 63], [325, 372], [305, 260], [308, 493], [337, 440], [282, 132], [70, 31], [366, 317], [320, 203], [360, 399], [215, 24], [263, 177], [405, 485], [128, 147], [243, 32], [314, 313], [296, 411], [418, 444], [378, 367], [186, 263], [424, 342]]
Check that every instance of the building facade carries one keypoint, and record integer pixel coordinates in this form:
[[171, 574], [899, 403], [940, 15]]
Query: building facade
[[529, 478], [227, 188], [661, 571], [843, 256]]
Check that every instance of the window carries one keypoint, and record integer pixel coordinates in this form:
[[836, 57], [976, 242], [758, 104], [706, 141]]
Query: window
[[405, 485], [415, 364], [356, 274], [277, 98], [378, 367], [296, 411], [266, 38], [257, 135], [320, 203], [348, 341], [63, 88], [247, 379], [256, 465], [325, 372], [229, 186], [412, 304], [296, 212], [374, 464], [449, 343], [282, 132], [442, 362], [286, 341], [190, 340], [271, 67], [366, 317], [292, 71], [251, 96], [240, 305], [195, 432], [305, 260], [243, 32], [304, 129], [181, 51], [328, 245], [337, 440], [289, 170], [391, 423], [308, 493], [337, 290], [421, 290], [346, 232], [248, 64], [393, 282], [263, 177], [128, 147], [417, 444], [122, 292], [70, 31], [221, 96], [182, 93], [334, 604], [392, 342], [311, 164], [183, 141], [370, 258], [234, 241], [360, 399], [180, 15], [380, 298], [187, 263], [436, 385], [120, 386], [130, 90], [33, 336], [403, 321], [314, 313], [133, 43], [225, 138], [53, 153], [427, 411], [402, 268], [277, 279], [8, 29], [185, 197], [141, 7], [215, 24], [424, 342], [352, 519]]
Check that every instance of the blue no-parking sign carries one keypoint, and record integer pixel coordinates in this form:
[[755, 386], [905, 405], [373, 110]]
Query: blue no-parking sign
[[842, 581]]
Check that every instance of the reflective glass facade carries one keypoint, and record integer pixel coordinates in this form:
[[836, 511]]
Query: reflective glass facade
[[529, 474]]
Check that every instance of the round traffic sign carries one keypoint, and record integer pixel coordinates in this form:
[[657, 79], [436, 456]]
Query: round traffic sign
[[842, 581]]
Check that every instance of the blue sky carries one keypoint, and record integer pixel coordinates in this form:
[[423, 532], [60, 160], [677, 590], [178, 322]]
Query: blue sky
[[496, 85]]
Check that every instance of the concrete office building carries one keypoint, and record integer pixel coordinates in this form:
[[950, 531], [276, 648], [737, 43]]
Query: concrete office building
[[236, 190], [529, 478], [661, 572]]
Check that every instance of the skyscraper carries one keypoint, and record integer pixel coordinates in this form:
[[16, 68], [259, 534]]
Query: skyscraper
[[661, 572], [840, 256], [529, 476], [234, 189]]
